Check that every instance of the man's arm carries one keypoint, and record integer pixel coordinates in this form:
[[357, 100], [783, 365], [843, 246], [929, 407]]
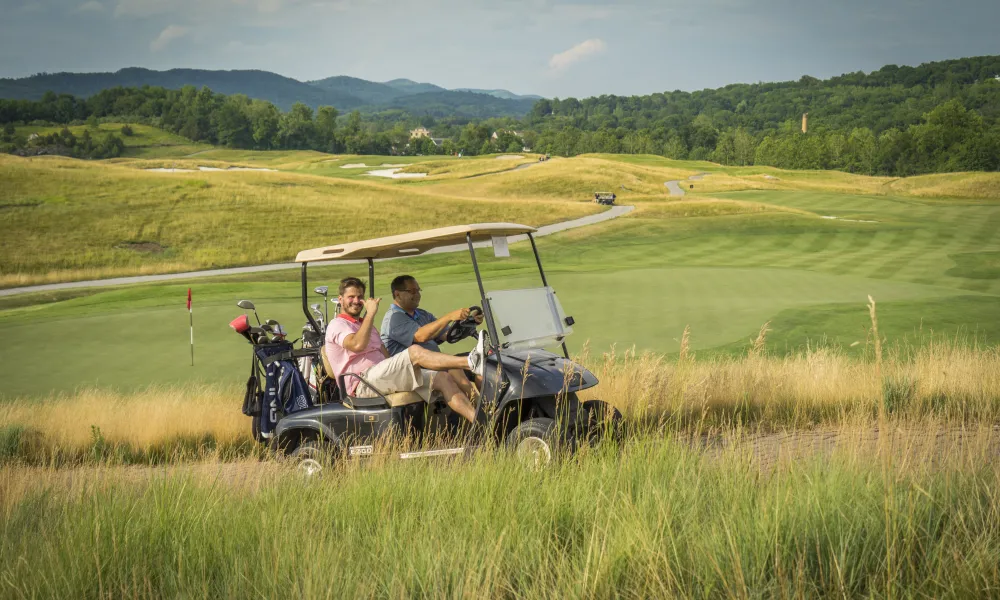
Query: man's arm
[[431, 331], [358, 341]]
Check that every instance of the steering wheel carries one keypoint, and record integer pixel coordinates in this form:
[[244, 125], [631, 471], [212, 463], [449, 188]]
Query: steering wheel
[[465, 328]]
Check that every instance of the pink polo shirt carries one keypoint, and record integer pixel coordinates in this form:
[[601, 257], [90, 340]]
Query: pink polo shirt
[[343, 360]]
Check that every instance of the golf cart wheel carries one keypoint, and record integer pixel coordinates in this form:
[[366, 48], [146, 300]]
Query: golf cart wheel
[[533, 442], [312, 457], [601, 421], [255, 430]]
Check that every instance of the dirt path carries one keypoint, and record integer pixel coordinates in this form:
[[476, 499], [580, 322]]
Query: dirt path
[[675, 188], [613, 213], [905, 447]]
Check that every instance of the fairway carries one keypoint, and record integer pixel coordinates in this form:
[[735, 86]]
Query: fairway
[[802, 256], [151, 344]]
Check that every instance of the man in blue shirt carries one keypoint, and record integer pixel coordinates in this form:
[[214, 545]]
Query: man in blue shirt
[[406, 324]]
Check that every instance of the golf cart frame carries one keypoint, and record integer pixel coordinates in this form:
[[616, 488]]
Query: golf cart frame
[[528, 395]]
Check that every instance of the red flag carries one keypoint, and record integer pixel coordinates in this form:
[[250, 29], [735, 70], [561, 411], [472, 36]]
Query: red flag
[[189, 298]]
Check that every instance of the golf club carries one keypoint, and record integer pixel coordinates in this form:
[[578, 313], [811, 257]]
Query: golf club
[[247, 305], [322, 291]]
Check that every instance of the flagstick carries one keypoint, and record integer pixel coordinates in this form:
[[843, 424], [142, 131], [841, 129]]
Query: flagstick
[[191, 315]]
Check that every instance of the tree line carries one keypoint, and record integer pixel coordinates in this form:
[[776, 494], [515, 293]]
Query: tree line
[[898, 121]]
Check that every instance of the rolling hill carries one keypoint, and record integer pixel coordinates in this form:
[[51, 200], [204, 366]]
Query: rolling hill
[[282, 91], [343, 92]]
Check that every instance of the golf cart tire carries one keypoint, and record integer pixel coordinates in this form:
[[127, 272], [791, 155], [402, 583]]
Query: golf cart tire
[[601, 421], [533, 441], [255, 429], [313, 457]]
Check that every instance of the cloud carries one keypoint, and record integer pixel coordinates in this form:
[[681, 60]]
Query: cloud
[[172, 32], [91, 6], [578, 52]]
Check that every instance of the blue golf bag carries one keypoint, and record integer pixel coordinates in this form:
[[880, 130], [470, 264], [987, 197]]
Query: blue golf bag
[[285, 390]]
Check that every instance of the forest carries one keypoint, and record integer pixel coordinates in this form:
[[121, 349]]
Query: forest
[[899, 120]]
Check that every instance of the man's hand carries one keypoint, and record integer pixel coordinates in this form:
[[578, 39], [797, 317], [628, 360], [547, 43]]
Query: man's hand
[[459, 314], [371, 306]]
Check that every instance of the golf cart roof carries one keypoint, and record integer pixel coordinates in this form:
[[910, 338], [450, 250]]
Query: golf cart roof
[[410, 244]]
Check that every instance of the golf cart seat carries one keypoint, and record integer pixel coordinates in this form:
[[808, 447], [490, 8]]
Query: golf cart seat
[[394, 400]]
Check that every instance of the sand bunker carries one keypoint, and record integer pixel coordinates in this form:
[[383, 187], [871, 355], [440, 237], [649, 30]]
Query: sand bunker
[[392, 174], [509, 157]]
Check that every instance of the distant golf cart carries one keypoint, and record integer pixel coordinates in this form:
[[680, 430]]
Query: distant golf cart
[[529, 394], [607, 198]]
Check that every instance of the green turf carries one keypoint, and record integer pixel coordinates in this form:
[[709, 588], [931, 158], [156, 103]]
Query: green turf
[[976, 265], [903, 323], [636, 281]]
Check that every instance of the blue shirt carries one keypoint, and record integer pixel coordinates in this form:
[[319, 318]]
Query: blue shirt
[[398, 329]]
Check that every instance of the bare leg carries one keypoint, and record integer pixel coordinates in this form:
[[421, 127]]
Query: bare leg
[[435, 361], [457, 401], [463, 382]]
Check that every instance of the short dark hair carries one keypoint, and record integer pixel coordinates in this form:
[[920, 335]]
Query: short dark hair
[[399, 284], [351, 282]]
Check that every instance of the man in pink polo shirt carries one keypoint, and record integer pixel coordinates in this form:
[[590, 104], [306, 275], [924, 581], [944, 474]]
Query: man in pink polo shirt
[[354, 346]]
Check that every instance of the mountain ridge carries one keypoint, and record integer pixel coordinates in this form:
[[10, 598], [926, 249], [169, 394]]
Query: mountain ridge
[[340, 91]]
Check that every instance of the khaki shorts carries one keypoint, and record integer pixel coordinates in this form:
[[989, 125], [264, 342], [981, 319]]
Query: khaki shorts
[[396, 374]]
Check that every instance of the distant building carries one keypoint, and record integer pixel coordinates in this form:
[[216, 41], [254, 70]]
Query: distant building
[[497, 134], [419, 132]]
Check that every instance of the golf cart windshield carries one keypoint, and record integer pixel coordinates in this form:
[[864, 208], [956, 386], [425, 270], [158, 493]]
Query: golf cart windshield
[[529, 318]]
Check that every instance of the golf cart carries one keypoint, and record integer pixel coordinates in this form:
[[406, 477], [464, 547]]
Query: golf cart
[[607, 198], [528, 394]]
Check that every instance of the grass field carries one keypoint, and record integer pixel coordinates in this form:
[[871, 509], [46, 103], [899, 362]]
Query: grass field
[[947, 383], [722, 263], [125, 220], [660, 519], [782, 441]]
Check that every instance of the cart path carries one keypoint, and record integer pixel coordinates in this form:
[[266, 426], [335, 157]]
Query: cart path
[[920, 448], [493, 173], [676, 190], [613, 213]]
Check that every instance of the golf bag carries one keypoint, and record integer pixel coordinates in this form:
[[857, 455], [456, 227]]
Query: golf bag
[[285, 390]]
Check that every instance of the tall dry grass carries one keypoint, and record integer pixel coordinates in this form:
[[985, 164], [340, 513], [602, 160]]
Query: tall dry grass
[[659, 519], [943, 382], [949, 381], [151, 426]]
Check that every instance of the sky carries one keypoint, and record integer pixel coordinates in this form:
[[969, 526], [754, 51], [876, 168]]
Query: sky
[[546, 47]]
